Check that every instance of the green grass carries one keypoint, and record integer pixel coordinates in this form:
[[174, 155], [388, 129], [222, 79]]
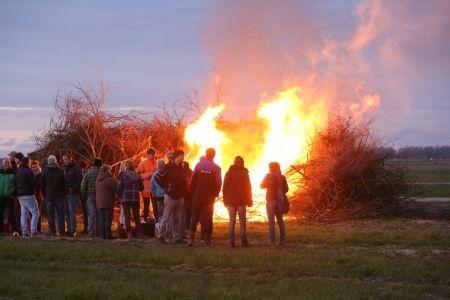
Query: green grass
[[359, 259], [435, 190], [429, 176]]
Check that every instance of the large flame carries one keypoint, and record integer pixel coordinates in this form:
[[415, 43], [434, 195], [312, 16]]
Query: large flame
[[279, 132]]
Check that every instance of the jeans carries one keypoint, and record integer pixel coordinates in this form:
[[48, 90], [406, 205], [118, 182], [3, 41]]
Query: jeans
[[202, 211], [8, 204], [172, 209], [155, 207], [28, 203], [131, 207], [182, 220], [160, 203], [71, 212], [85, 213], [146, 210], [275, 209], [241, 211], [50, 206], [105, 216], [121, 216], [92, 216]]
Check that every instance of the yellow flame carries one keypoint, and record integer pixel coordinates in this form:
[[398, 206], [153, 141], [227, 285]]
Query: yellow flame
[[280, 132]]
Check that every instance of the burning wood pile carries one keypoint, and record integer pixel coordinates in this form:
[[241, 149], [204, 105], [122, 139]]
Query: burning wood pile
[[345, 176]]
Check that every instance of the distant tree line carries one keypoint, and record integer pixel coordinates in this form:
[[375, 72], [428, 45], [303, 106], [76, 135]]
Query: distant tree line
[[416, 152]]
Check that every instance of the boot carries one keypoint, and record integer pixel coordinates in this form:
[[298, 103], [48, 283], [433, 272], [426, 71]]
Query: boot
[[244, 243], [129, 235], [191, 238], [232, 244]]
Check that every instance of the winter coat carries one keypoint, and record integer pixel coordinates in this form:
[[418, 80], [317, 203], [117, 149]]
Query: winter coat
[[204, 187], [74, 176], [129, 186], [276, 185], [88, 183], [54, 182], [155, 188], [145, 170], [173, 181], [106, 188], [206, 164], [7, 183], [237, 189], [25, 182], [39, 193]]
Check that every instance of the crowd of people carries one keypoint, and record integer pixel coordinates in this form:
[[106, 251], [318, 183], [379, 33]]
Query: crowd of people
[[181, 198]]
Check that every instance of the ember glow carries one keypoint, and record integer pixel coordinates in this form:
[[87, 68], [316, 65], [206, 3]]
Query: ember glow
[[278, 132]]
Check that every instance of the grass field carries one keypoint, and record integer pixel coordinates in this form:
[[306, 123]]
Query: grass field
[[430, 178], [394, 258]]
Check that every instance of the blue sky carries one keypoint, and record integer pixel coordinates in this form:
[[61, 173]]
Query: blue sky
[[150, 53]]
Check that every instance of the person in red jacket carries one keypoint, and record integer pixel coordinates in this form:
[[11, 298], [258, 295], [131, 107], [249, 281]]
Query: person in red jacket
[[237, 194]]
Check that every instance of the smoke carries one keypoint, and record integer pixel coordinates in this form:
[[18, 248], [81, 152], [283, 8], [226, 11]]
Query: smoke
[[378, 49]]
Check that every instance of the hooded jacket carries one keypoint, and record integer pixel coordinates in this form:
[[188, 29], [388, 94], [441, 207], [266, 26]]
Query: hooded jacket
[[106, 188], [129, 186], [54, 182], [25, 182], [237, 189], [7, 183]]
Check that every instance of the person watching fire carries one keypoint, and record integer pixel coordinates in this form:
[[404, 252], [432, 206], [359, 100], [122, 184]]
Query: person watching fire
[[145, 170], [205, 186]]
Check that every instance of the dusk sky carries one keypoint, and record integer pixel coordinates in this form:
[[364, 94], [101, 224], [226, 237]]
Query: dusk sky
[[152, 52]]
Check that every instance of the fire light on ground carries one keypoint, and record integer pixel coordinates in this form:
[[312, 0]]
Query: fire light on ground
[[278, 132]]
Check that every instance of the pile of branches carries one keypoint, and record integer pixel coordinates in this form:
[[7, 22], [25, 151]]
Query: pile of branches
[[345, 176], [84, 127]]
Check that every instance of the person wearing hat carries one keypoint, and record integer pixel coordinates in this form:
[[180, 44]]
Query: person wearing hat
[[205, 186], [237, 194], [172, 180]]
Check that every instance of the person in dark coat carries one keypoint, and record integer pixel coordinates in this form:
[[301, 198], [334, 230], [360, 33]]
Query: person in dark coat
[[174, 184], [74, 176], [277, 187], [55, 188], [7, 191], [237, 194], [129, 186], [205, 186], [106, 188], [25, 187]]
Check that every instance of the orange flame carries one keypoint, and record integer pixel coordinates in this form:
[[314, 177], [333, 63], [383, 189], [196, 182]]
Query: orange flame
[[279, 132]]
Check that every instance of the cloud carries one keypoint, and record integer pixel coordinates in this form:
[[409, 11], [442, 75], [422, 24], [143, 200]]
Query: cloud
[[389, 48], [17, 140]]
